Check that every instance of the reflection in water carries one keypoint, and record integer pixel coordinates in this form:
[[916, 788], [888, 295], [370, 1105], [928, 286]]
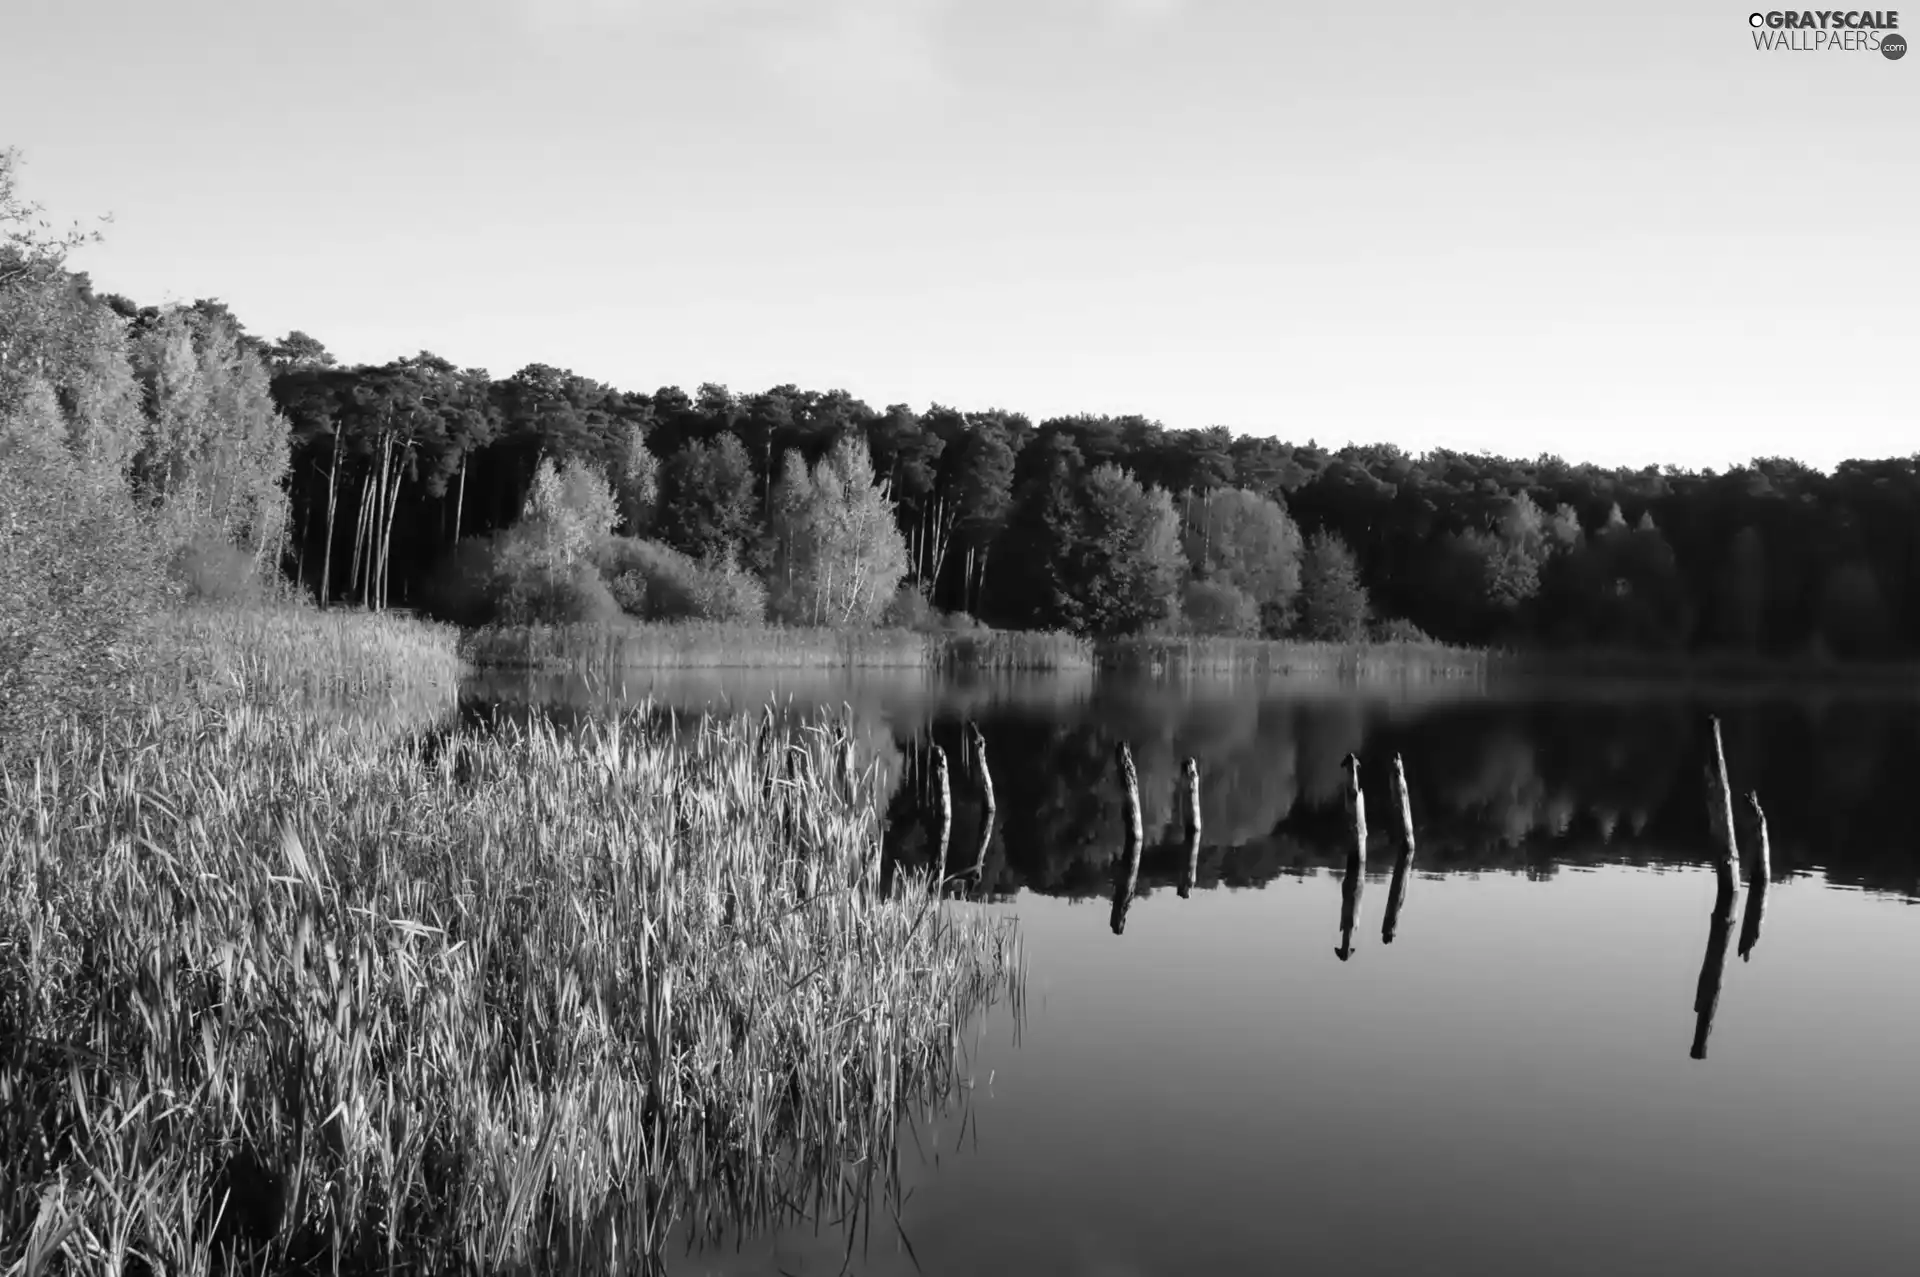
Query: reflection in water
[[1518, 784], [1759, 877], [1126, 871], [1706, 998], [1190, 821], [1403, 863], [1355, 881], [942, 808]]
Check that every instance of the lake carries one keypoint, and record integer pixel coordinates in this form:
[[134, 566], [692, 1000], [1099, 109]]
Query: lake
[[1510, 1086]]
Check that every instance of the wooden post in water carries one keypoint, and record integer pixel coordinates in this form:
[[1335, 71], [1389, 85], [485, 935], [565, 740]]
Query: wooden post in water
[[1190, 813], [1720, 805], [1350, 887], [1706, 998], [942, 810], [1759, 877], [1403, 863], [1127, 872], [977, 747]]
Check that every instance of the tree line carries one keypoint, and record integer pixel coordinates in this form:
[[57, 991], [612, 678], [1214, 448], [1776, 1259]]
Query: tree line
[[1114, 525], [548, 495]]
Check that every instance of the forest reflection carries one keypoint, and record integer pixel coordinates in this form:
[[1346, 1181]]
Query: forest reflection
[[1523, 786]]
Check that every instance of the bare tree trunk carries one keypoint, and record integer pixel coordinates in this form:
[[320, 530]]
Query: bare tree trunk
[[355, 578], [372, 591], [333, 501], [386, 540]]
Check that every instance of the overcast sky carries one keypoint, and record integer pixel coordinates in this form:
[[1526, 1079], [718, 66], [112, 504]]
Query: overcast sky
[[1616, 232]]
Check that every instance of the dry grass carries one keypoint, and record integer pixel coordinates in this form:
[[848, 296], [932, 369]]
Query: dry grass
[[276, 992]]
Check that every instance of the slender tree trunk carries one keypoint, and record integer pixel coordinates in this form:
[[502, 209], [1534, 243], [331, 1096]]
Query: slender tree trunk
[[370, 585], [379, 526], [355, 578], [460, 501], [333, 501], [386, 551]]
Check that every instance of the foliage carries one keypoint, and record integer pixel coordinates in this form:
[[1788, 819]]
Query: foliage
[[637, 486], [1333, 602], [655, 582], [707, 508], [1245, 542], [215, 449], [1398, 629], [79, 577], [1220, 608], [540, 571], [393, 466], [838, 554]]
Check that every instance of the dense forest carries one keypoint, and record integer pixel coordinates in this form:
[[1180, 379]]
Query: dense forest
[[548, 495], [1108, 525]]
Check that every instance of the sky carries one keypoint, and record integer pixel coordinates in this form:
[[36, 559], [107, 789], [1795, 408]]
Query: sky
[[1616, 233]]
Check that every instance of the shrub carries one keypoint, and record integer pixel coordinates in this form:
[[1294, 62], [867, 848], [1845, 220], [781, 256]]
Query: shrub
[[1398, 629], [78, 579], [908, 609], [554, 596], [658, 583], [1216, 608], [730, 593], [212, 569]]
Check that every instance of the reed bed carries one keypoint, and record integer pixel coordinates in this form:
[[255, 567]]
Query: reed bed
[[1351, 662], [608, 650], [638, 645], [302, 655], [279, 995], [1010, 650]]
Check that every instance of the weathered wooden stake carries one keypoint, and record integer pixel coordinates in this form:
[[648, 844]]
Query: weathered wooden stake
[[942, 809], [1403, 863], [1350, 888], [977, 746], [1127, 872], [1190, 811], [1720, 805], [979, 871], [1130, 792], [1759, 877]]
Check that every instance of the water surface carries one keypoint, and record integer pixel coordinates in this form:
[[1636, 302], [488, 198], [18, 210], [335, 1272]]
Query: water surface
[[1510, 1086]]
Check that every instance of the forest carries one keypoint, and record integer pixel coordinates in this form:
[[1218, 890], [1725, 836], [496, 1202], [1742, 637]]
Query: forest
[[549, 496]]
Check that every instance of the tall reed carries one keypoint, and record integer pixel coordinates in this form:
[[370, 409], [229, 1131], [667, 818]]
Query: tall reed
[[301, 655], [279, 991]]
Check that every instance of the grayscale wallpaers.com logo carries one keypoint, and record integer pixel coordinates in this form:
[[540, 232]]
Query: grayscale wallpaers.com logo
[[1824, 30]]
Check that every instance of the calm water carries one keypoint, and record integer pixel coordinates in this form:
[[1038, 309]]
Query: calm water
[[1509, 1086]]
